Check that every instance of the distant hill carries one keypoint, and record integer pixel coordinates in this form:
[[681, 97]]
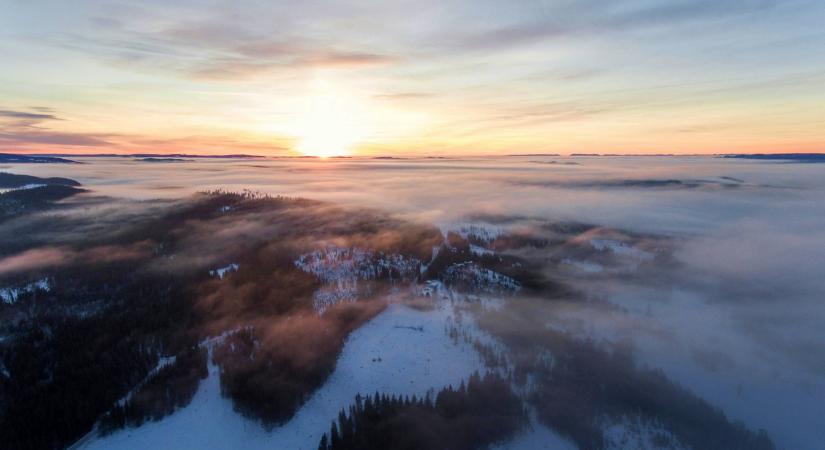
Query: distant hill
[[14, 158], [36, 197], [162, 160], [10, 180], [794, 157], [160, 155], [21, 194]]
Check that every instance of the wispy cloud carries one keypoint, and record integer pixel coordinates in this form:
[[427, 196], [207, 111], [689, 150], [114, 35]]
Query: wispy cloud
[[214, 48], [582, 19], [27, 115], [53, 139], [24, 128]]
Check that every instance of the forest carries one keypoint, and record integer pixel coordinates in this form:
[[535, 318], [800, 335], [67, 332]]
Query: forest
[[138, 291], [21, 194], [475, 415], [172, 386], [128, 309]]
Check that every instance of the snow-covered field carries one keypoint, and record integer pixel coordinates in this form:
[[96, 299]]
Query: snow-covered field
[[536, 437], [401, 351]]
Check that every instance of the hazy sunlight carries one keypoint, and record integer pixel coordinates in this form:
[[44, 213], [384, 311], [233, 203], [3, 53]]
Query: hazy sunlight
[[331, 122]]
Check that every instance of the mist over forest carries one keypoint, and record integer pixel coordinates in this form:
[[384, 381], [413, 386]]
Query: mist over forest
[[510, 302]]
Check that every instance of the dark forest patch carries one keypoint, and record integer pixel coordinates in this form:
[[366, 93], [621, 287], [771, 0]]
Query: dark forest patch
[[29, 193], [483, 412], [269, 372], [171, 387], [11, 180], [11, 158]]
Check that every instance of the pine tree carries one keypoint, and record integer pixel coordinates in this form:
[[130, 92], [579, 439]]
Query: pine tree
[[335, 440]]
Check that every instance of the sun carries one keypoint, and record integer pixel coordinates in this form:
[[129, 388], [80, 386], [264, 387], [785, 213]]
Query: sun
[[331, 122]]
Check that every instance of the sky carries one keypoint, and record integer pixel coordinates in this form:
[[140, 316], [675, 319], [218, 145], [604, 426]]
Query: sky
[[412, 78]]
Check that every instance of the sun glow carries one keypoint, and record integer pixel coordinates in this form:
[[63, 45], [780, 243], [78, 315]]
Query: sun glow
[[331, 122]]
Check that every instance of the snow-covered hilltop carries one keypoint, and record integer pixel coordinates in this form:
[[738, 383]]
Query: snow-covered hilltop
[[341, 269]]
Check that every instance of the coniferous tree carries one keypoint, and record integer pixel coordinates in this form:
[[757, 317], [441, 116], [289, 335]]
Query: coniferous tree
[[335, 440]]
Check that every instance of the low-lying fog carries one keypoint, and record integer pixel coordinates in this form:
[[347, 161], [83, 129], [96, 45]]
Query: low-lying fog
[[684, 194], [737, 318]]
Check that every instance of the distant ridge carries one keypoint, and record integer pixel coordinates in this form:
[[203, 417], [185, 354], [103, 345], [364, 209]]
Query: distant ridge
[[11, 180], [151, 155], [33, 159], [793, 157], [161, 160]]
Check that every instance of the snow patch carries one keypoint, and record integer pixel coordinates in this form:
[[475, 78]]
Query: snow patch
[[620, 248], [479, 250], [480, 232], [341, 269], [10, 295], [333, 264], [436, 251], [637, 433], [22, 188], [222, 271], [433, 288]]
